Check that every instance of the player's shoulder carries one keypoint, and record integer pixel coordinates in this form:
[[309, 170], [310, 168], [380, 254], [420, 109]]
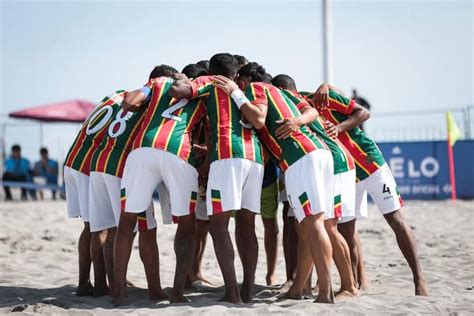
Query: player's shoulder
[[204, 79]]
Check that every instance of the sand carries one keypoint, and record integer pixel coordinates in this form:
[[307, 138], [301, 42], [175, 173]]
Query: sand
[[38, 267]]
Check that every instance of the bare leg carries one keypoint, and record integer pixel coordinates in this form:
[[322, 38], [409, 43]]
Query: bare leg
[[363, 279], [200, 235], [218, 227], [347, 231], [271, 248], [108, 251], [322, 255], [342, 259], [247, 245], [85, 287], [407, 244], [122, 250], [183, 247], [304, 265], [97, 254], [151, 262], [290, 242]]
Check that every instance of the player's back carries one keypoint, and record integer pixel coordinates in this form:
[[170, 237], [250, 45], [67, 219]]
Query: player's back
[[92, 132], [167, 123], [280, 107], [231, 137]]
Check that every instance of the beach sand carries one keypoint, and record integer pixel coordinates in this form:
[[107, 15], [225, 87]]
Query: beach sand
[[38, 267]]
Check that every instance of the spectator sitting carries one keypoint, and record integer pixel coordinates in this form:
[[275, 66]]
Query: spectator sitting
[[48, 169], [16, 169]]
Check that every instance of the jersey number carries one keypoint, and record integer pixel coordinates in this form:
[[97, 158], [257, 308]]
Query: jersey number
[[168, 112], [121, 121], [386, 189]]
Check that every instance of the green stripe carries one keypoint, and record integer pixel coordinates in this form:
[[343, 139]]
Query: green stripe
[[337, 199], [303, 198], [215, 194]]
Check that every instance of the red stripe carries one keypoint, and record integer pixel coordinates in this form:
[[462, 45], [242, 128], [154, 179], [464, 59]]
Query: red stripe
[[196, 118], [249, 149], [357, 154], [76, 147], [338, 212], [142, 225], [271, 144], [307, 209], [149, 115], [216, 208], [224, 124], [164, 131], [192, 207]]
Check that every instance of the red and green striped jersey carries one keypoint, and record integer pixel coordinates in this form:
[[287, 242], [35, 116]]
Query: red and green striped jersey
[[92, 133], [230, 136], [167, 123], [289, 150], [343, 160], [366, 154], [112, 153]]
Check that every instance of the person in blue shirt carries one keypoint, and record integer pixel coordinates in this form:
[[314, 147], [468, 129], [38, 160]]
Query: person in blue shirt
[[16, 169], [47, 168]]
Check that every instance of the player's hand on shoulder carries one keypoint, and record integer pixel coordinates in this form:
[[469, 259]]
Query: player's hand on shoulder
[[287, 127], [225, 84], [321, 96]]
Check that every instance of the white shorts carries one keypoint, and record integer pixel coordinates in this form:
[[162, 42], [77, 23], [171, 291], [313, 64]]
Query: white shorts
[[146, 168], [309, 184], [104, 203], [382, 189], [344, 195], [77, 193], [234, 184]]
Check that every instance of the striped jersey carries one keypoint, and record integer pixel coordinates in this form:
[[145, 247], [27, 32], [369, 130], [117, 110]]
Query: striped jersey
[[289, 150], [366, 154], [343, 160], [230, 136], [111, 155], [92, 133], [168, 123]]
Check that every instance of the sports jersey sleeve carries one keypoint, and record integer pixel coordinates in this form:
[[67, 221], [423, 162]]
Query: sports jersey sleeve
[[201, 87], [298, 100], [341, 103], [256, 94]]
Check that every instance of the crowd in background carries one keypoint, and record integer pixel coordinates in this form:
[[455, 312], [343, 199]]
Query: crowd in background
[[19, 169]]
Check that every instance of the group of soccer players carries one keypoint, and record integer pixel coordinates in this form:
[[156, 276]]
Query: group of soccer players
[[209, 139]]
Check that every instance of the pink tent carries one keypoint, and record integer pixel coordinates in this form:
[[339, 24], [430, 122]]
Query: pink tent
[[67, 111]]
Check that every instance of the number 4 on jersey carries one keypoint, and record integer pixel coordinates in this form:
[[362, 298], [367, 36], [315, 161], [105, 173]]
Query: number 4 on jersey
[[386, 189]]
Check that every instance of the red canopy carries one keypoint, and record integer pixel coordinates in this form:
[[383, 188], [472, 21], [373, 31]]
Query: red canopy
[[67, 111]]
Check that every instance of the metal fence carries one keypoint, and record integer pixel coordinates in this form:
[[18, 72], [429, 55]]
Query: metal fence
[[419, 125]]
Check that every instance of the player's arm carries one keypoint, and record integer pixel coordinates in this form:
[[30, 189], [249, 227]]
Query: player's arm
[[135, 100], [358, 116], [181, 89], [293, 124], [255, 113]]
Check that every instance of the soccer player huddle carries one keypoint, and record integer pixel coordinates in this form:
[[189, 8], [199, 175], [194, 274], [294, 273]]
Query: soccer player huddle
[[206, 138]]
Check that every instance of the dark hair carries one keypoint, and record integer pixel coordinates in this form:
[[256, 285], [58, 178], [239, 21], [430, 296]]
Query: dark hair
[[43, 150], [241, 60], [16, 147], [162, 71], [204, 64], [223, 64], [254, 71], [284, 82], [194, 70], [267, 78]]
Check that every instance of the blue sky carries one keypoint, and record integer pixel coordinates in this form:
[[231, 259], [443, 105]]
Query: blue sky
[[401, 55]]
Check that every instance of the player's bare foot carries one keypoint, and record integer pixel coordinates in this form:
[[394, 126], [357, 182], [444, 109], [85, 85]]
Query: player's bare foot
[[180, 299], [421, 289], [271, 280], [325, 299], [246, 294], [198, 277], [363, 285], [234, 299], [100, 291], [341, 294], [158, 295], [85, 289], [286, 286], [290, 295]]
